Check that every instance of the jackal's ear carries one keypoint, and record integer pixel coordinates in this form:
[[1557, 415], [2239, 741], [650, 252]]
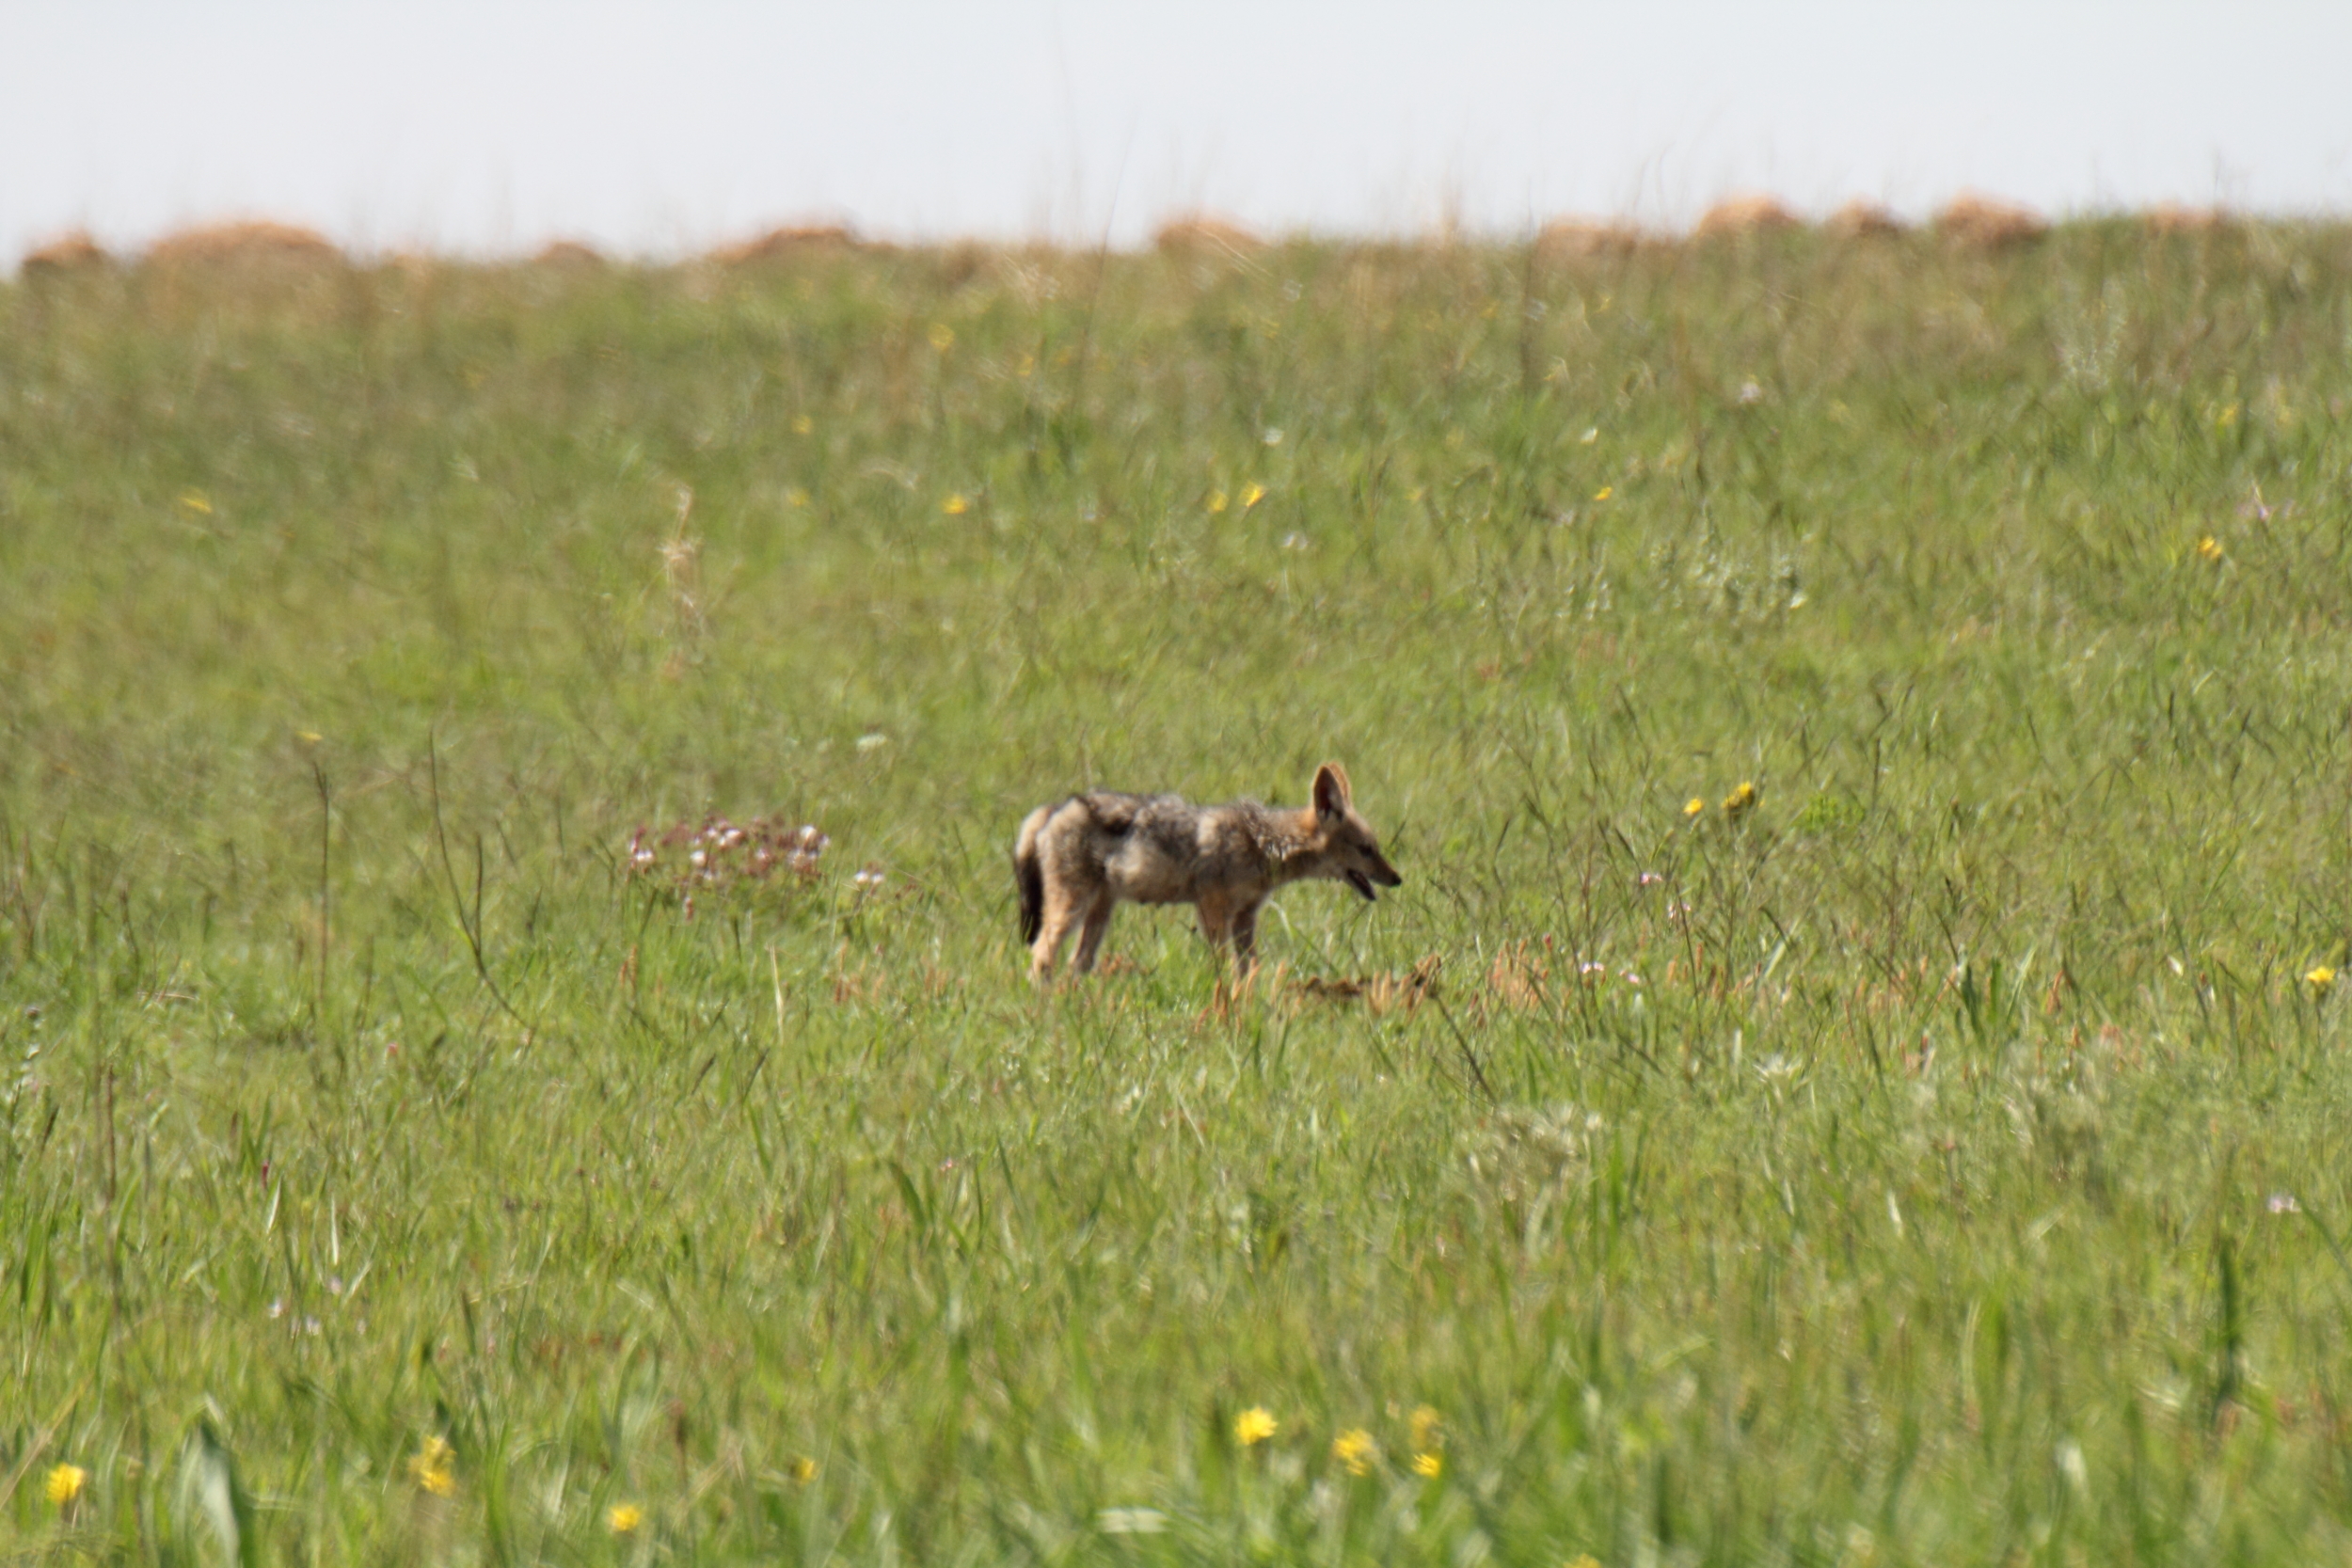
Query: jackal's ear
[[1332, 797]]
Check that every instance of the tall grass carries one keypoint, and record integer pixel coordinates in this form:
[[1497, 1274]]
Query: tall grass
[[1939, 1160]]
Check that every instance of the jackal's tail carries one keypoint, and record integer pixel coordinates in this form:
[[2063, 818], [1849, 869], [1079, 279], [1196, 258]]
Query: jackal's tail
[[1030, 875]]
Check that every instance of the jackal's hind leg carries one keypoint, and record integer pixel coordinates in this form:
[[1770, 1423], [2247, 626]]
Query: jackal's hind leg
[[1062, 913], [1098, 920]]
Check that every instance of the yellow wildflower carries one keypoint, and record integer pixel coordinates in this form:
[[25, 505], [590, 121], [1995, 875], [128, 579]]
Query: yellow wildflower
[[954, 506], [1428, 1429], [796, 496], [66, 1483], [1354, 1448], [803, 424], [2209, 551], [1604, 492], [1429, 1465], [1218, 501], [624, 1518], [1254, 1426], [434, 1468], [1738, 800], [1252, 496], [943, 337], [1693, 806], [2320, 977], [194, 501], [1585, 1560], [1027, 367], [802, 1468]]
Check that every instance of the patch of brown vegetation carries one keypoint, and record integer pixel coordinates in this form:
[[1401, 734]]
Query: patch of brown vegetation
[[793, 243], [1379, 993], [74, 252], [1745, 214], [244, 244], [1519, 976], [413, 266], [2167, 217], [1573, 238], [1200, 235], [960, 262], [1859, 219], [1980, 222], [569, 256]]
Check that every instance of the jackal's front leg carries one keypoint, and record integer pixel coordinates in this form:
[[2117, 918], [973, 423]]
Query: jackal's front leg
[[1231, 931], [1246, 939], [1216, 922]]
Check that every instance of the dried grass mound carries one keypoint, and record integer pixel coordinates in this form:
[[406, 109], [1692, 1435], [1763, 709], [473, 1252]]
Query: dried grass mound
[[1380, 993], [569, 256], [1980, 222], [2171, 218], [244, 245], [74, 252], [1198, 234], [1745, 214], [793, 243], [1569, 239], [1863, 220]]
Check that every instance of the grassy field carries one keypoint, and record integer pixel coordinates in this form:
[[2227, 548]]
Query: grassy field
[[1940, 1159]]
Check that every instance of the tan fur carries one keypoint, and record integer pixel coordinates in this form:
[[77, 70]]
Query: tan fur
[[1078, 861]]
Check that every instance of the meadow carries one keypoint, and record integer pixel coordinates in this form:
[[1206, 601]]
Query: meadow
[[1855, 1074]]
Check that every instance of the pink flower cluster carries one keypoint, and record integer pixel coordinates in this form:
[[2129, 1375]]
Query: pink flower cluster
[[718, 854]]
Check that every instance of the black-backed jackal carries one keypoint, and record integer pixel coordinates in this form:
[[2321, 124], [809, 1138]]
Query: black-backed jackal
[[1077, 861]]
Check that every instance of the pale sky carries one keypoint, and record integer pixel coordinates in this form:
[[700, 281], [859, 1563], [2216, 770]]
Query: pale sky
[[490, 127]]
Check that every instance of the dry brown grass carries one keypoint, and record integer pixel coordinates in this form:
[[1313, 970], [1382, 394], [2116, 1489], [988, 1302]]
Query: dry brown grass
[[242, 246], [2169, 217], [1201, 234], [793, 243], [73, 252], [1978, 222], [1859, 219], [1379, 993], [1570, 239], [1745, 214], [569, 256], [1520, 976]]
